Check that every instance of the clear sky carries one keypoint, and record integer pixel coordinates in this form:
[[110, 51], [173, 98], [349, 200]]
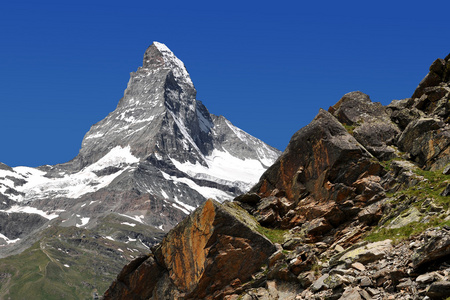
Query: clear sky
[[268, 66]]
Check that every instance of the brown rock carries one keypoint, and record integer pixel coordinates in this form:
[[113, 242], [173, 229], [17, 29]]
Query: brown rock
[[321, 152], [351, 293], [306, 279], [203, 256], [132, 282], [439, 290], [250, 198], [358, 266], [317, 227]]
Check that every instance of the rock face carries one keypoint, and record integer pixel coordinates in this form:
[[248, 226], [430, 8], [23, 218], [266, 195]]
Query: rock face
[[206, 256], [322, 169], [368, 122]]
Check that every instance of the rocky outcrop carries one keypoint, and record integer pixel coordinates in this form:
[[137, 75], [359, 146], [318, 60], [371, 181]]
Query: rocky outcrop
[[426, 118], [323, 179], [369, 122], [427, 140], [212, 252]]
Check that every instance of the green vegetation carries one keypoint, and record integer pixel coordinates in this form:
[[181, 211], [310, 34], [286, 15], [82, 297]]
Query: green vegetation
[[58, 267], [71, 262], [349, 128], [274, 235], [425, 197], [402, 233]]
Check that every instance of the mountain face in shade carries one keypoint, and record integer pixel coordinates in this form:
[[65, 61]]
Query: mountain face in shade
[[155, 158]]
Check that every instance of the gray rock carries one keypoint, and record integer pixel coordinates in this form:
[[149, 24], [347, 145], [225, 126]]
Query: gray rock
[[446, 170], [426, 278], [319, 284], [439, 290], [436, 248], [370, 122], [292, 243], [365, 281], [334, 281], [364, 254], [351, 293], [446, 191], [426, 140]]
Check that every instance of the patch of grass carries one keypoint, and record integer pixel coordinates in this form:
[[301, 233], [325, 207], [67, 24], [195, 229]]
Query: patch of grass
[[274, 235], [349, 128], [381, 233], [387, 163], [71, 262], [397, 234], [425, 196], [430, 188]]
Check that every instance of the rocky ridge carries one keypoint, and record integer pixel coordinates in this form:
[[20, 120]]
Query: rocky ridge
[[356, 207]]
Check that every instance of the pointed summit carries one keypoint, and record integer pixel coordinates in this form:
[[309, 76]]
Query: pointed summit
[[158, 55]]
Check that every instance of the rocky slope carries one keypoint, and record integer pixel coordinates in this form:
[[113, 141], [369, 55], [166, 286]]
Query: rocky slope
[[356, 207], [159, 155]]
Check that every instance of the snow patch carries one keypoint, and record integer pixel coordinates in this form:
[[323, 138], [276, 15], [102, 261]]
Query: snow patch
[[84, 221], [136, 218], [30, 210], [222, 165], [74, 185], [128, 224], [7, 240], [207, 192]]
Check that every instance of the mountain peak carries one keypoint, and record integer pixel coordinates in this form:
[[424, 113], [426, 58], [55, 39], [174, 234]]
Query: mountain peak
[[158, 55]]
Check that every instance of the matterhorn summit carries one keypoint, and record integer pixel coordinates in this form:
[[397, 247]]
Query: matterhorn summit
[[153, 160]]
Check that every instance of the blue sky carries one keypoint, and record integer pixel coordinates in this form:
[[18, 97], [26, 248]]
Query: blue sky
[[266, 66]]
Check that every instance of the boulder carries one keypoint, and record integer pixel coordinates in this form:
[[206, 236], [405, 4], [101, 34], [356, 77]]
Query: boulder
[[365, 253], [202, 255], [437, 248], [438, 73], [402, 112], [439, 290], [446, 191], [317, 170], [369, 122], [427, 140], [132, 282]]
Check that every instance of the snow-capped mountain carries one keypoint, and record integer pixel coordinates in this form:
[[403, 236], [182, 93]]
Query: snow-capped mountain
[[154, 159]]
